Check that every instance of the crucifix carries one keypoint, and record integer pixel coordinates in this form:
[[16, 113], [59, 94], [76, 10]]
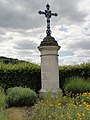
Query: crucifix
[[48, 14]]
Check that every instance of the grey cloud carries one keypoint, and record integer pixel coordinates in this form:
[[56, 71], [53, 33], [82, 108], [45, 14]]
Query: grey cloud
[[2, 35], [69, 10], [86, 29], [11, 16], [19, 21], [2, 31], [5, 38], [24, 14], [24, 52], [2, 38], [83, 44], [26, 45]]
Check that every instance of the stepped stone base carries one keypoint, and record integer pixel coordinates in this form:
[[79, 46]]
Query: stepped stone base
[[42, 93]]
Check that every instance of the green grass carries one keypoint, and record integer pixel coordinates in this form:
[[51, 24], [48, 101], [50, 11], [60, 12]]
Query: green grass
[[2, 98], [2, 101], [77, 85]]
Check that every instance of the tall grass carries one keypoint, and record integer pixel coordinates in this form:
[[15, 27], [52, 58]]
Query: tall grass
[[2, 100], [77, 85]]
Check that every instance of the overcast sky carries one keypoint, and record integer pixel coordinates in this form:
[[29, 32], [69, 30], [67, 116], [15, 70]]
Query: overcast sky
[[22, 29]]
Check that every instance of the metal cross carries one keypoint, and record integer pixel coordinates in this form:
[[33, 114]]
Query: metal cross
[[48, 14]]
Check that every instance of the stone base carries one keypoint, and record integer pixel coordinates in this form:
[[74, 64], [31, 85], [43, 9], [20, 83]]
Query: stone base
[[43, 93]]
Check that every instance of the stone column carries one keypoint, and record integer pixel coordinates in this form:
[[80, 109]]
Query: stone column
[[49, 65]]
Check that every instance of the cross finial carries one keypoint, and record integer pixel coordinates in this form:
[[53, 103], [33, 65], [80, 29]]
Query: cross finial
[[48, 14]]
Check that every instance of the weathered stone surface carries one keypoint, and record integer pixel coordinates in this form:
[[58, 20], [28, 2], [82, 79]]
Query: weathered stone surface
[[49, 68], [49, 41]]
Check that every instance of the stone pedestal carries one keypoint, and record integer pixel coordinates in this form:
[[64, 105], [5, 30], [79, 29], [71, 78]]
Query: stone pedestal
[[49, 65]]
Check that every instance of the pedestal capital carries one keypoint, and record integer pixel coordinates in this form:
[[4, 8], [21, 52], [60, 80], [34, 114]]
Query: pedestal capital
[[49, 41], [49, 48]]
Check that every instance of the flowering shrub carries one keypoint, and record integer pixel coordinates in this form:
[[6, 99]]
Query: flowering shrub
[[58, 109], [82, 98]]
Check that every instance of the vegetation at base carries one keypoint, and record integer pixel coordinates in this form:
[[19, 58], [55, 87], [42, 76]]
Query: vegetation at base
[[82, 98], [50, 108], [2, 114], [76, 85], [65, 72], [19, 96], [26, 74], [65, 108], [2, 102], [54, 108], [2, 98]]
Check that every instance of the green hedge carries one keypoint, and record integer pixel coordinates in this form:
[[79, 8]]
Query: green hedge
[[29, 75], [23, 74]]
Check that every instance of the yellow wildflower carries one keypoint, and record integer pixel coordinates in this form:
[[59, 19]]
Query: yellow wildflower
[[78, 114], [83, 114], [84, 103]]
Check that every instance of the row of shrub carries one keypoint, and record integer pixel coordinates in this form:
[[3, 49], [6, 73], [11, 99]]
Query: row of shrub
[[29, 75]]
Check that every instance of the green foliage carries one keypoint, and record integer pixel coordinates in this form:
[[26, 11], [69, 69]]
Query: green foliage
[[60, 109], [21, 74], [82, 98], [29, 75], [2, 115], [6, 60], [76, 85], [2, 98], [2, 101], [19, 96], [65, 72]]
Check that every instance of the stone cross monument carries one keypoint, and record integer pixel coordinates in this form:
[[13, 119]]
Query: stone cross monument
[[49, 58]]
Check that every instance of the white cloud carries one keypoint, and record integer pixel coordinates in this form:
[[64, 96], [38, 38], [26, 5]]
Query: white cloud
[[22, 29], [84, 5]]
